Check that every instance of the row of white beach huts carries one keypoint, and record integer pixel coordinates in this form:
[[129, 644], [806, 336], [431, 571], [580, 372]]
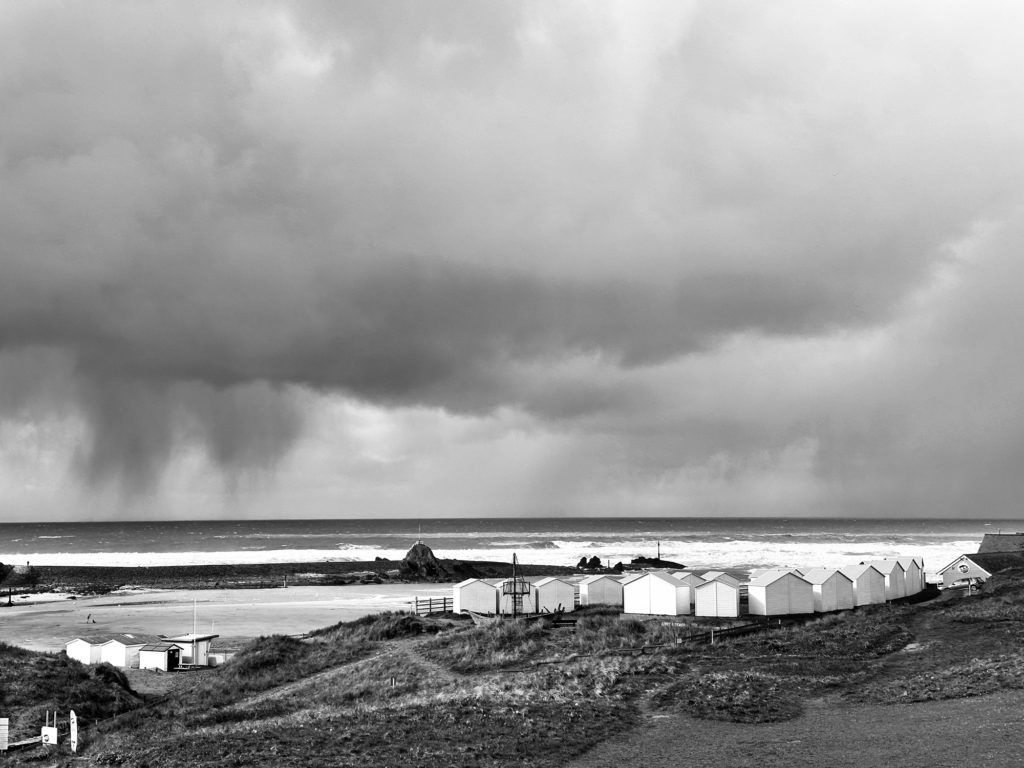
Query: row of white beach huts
[[770, 592], [144, 651]]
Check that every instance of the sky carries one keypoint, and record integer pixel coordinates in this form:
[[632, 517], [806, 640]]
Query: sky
[[465, 258]]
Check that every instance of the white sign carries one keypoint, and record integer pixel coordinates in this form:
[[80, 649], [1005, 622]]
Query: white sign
[[3, 733], [49, 734], [74, 731]]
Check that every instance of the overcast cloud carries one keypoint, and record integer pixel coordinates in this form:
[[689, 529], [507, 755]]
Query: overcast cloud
[[358, 259]]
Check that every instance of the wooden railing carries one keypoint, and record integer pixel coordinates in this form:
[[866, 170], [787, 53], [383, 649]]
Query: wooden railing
[[428, 605]]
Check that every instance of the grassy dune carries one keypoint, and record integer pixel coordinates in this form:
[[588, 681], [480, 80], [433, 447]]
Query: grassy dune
[[395, 689]]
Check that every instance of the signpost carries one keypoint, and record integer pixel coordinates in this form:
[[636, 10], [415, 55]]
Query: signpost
[[4, 723], [74, 731]]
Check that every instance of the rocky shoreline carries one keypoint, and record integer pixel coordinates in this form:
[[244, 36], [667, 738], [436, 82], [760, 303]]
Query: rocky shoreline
[[100, 579]]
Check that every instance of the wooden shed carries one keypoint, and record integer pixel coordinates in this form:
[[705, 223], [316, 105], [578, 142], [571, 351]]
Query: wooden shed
[[778, 593], [475, 595], [868, 584], [914, 574], [552, 594], [601, 590], [86, 649], [895, 578], [656, 593], [163, 656], [717, 597], [123, 650], [833, 589]]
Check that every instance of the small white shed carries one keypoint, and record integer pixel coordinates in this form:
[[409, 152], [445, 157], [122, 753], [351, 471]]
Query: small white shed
[[474, 595], [601, 590], [656, 593], [194, 648], [895, 578], [778, 593], [86, 649], [123, 650], [833, 589], [914, 574], [868, 584], [692, 580], [721, 576], [163, 656], [552, 594], [717, 597]]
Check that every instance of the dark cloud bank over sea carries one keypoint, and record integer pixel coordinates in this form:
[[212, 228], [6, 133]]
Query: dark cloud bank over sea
[[704, 258]]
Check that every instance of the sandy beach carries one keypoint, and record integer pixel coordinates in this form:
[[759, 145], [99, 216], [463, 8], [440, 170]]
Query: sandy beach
[[231, 613]]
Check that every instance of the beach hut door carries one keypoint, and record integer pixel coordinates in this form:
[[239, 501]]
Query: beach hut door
[[173, 659]]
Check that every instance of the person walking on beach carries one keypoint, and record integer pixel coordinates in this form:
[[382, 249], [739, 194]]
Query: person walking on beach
[[88, 618]]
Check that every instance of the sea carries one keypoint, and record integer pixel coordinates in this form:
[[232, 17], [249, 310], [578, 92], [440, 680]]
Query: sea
[[740, 543]]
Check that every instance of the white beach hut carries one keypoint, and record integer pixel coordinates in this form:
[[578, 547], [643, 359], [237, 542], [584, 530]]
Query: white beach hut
[[717, 597], [163, 656], [913, 574], [123, 650], [194, 648], [833, 589], [692, 580], [552, 594], [86, 649], [721, 576], [778, 593], [868, 584], [601, 590], [656, 593], [474, 595], [895, 578]]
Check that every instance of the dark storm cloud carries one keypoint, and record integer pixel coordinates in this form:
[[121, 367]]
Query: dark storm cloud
[[209, 208]]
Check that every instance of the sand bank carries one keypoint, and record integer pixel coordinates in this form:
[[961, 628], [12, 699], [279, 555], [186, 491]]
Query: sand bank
[[236, 613]]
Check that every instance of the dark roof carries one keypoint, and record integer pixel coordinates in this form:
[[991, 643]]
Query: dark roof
[[998, 561], [135, 638], [162, 647], [1001, 542], [92, 639]]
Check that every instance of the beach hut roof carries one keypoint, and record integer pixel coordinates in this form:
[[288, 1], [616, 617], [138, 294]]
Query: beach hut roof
[[631, 577], [906, 562], [713, 582], [666, 577], [92, 639], [133, 639], [159, 647], [887, 566], [548, 580], [188, 638], [770, 577], [598, 577], [991, 561], [855, 571], [465, 583], [821, 575]]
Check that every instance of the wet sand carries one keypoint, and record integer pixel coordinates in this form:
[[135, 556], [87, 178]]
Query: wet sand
[[234, 613]]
